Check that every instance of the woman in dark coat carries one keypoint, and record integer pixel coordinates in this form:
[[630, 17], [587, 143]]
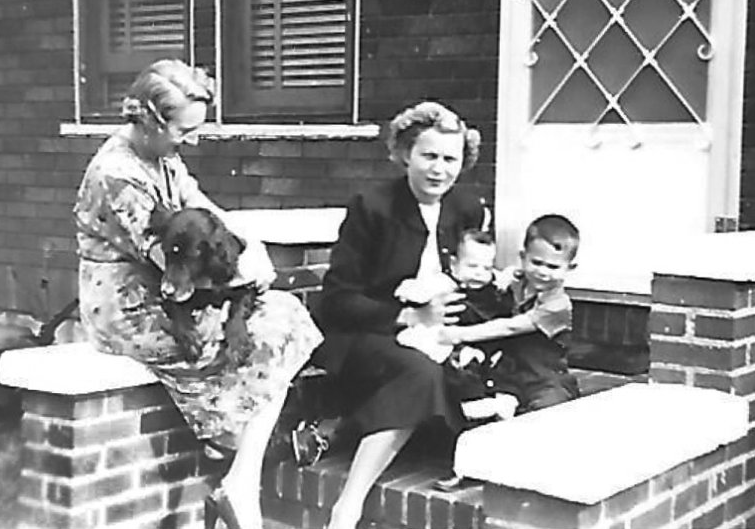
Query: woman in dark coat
[[404, 229]]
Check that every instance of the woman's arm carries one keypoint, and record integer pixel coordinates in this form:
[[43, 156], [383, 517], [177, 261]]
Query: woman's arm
[[254, 264], [345, 303]]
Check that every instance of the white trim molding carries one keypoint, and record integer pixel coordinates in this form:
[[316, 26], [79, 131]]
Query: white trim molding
[[214, 131]]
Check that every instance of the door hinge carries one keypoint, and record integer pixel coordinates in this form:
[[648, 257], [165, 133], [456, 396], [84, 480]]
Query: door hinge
[[724, 224]]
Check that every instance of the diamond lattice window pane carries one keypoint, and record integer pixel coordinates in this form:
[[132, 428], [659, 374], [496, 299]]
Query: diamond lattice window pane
[[599, 61]]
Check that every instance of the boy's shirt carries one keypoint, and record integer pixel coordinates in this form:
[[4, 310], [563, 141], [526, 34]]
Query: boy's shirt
[[549, 310]]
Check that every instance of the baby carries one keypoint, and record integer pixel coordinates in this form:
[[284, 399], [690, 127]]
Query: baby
[[472, 273]]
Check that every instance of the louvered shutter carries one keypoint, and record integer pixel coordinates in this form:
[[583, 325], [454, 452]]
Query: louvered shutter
[[133, 34], [296, 58]]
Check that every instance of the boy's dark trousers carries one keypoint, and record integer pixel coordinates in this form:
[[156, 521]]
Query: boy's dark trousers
[[533, 368]]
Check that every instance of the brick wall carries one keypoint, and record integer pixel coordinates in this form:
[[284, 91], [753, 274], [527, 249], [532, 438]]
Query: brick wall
[[101, 459], [441, 49], [705, 493], [702, 334]]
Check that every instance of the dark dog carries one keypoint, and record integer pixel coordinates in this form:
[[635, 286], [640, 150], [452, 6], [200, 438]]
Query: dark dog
[[201, 258]]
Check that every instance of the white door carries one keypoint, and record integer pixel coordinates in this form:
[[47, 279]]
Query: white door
[[624, 115]]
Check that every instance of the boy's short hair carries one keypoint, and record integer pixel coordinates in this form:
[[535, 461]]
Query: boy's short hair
[[475, 235], [556, 230]]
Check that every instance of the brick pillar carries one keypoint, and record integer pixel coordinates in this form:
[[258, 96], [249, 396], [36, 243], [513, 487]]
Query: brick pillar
[[702, 333], [107, 458]]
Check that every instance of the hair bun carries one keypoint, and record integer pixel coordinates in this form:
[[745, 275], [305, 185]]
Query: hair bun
[[132, 109]]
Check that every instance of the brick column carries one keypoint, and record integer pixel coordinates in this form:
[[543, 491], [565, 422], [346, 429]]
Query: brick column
[[702, 333], [103, 459]]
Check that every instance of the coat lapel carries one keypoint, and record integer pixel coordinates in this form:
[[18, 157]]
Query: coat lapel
[[406, 208]]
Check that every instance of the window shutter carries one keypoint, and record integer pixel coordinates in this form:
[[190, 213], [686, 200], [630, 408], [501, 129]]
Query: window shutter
[[304, 45], [296, 57], [132, 34]]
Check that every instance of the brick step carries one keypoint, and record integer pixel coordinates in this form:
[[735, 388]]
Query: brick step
[[402, 499]]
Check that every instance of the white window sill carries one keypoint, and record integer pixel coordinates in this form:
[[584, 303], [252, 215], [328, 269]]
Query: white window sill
[[214, 131]]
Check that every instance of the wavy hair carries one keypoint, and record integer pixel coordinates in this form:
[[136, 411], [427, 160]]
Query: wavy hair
[[411, 122], [163, 87]]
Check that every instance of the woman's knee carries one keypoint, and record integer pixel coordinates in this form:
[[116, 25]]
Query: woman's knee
[[419, 367]]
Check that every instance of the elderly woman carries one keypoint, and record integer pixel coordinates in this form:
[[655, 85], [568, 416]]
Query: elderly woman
[[137, 170], [405, 229]]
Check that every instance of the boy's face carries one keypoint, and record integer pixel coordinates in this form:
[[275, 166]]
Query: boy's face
[[473, 266], [545, 267]]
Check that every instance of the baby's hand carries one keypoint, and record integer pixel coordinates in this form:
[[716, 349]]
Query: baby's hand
[[466, 356], [502, 279]]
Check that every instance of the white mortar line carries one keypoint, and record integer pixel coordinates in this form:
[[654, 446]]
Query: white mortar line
[[744, 370], [708, 342], [105, 417], [704, 311]]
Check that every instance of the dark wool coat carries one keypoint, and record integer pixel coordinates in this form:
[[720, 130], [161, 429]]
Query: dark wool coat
[[380, 244]]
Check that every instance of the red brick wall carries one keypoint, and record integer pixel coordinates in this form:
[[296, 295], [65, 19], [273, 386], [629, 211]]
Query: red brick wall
[[440, 49]]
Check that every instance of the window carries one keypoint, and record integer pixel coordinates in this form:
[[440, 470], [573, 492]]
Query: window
[[613, 61], [275, 60]]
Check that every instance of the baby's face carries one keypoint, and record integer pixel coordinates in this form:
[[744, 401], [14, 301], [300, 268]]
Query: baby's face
[[473, 266], [543, 266]]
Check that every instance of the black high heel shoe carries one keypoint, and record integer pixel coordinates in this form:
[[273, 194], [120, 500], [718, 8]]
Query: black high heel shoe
[[217, 505]]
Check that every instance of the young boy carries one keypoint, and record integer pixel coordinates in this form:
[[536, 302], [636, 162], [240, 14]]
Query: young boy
[[530, 361]]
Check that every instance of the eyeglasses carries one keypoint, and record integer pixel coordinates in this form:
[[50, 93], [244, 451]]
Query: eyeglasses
[[189, 137]]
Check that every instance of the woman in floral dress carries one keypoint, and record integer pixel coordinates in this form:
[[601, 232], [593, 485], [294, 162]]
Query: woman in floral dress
[[137, 169]]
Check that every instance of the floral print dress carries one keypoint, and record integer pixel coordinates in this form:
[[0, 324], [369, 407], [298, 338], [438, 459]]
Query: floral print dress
[[120, 303]]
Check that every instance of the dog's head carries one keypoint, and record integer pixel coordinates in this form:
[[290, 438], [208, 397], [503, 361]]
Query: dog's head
[[200, 252]]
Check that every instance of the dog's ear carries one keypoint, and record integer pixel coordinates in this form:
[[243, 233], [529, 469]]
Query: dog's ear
[[227, 249], [158, 220], [223, 257]]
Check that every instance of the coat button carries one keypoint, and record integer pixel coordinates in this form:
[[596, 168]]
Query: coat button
[[489, 383]]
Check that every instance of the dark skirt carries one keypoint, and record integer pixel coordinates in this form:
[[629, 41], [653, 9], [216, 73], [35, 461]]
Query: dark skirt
[[384, 386]]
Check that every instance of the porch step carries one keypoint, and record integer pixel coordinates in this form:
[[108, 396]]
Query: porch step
[[402, 498]]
